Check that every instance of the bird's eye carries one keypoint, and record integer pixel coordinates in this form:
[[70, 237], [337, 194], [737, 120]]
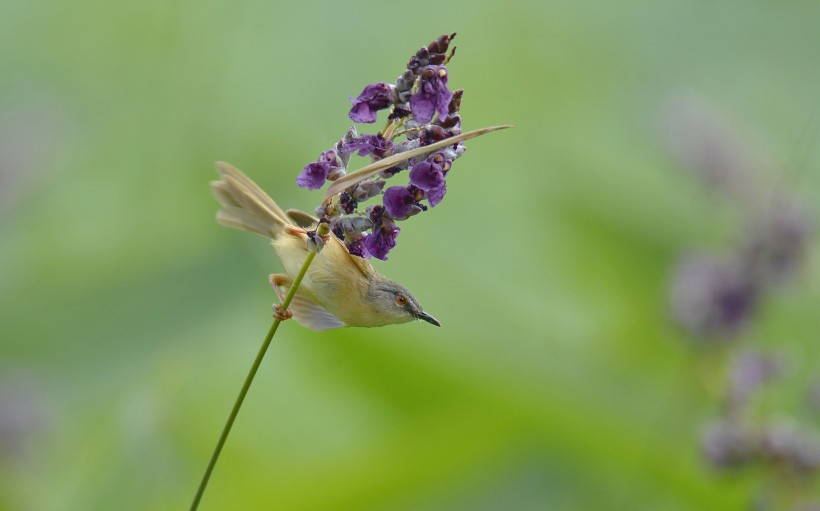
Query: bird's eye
[[401, 300]]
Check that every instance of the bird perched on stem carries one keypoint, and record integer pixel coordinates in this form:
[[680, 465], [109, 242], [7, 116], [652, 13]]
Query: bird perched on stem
[[339, 289]]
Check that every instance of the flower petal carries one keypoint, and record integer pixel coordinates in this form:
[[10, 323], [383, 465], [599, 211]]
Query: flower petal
[[398, 201], [435, 196], [374, 97], [381, 242], [426, 175], [313, 176]]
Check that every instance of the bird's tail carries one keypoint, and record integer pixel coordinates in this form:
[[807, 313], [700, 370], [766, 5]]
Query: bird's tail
[[244, 205]]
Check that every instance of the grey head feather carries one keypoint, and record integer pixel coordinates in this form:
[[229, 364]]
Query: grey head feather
[[396, 301]]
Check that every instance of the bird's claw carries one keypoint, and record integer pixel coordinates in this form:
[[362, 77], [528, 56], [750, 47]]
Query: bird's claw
[[293, 230], [296, 231], [280, 313]]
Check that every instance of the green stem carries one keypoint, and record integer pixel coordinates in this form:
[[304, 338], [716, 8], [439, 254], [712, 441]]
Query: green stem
[[245, 386]]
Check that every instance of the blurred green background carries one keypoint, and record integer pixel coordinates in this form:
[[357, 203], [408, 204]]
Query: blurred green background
[[128, 317]]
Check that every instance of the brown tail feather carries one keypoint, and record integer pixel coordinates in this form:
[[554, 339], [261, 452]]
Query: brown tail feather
[[244, 205]]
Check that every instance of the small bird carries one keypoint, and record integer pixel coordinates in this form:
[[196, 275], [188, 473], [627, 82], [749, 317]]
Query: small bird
[[339, 289]]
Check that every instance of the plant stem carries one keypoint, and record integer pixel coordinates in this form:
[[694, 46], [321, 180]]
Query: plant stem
[[245, 386]]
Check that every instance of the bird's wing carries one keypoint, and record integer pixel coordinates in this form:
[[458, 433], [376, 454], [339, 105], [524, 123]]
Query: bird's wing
[[360, 263], [313, 316], [305, 311], [301, 218]]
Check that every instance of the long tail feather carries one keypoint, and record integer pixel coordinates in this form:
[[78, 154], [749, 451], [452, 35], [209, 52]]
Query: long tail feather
[[244, 205]]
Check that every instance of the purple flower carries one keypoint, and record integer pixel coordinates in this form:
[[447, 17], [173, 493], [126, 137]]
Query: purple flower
[[382, 241], [383, 237], [401, 202], [314, 175], [375, 213], [422, 111], [357, 248], [374, 97], [348, 203], [433, 95], [376, 145], [427, 175]]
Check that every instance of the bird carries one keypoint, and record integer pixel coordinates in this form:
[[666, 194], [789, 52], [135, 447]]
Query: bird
[[339, 289]]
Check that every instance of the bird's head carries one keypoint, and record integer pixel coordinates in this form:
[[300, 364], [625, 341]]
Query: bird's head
[[393, 303]]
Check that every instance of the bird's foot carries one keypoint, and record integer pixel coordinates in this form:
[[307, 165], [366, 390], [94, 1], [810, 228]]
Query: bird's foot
[[293, 230], [298, 231], [277, 280], [280, 313]]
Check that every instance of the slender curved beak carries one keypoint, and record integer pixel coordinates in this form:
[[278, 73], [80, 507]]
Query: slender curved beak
[[428, 318]]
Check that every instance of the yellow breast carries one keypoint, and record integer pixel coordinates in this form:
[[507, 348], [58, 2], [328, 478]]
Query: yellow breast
[[333, 280]]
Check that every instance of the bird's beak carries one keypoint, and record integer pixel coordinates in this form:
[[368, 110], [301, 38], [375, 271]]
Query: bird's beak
[[428, 318]]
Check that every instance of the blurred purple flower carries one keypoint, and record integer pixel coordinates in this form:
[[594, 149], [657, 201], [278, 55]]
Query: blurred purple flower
[[725, 445], [374, 97], [778, 240], [23, 411], [749, 371], [701, 140], [787, 443], [712, 296], [433, 95]]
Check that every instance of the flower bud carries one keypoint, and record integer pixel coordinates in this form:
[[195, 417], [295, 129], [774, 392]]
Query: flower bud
[[347, 203], [315, 243], [455, 103], [367, 189], [350, 136], [353, 224]]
